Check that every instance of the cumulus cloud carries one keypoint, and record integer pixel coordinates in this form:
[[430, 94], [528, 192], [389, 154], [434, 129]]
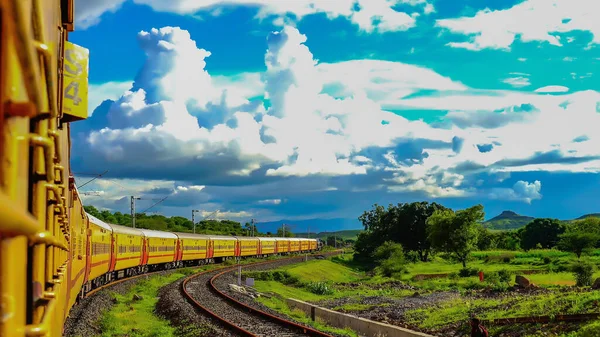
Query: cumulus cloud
[[521, 191], [517, 82], [326, 129], [530, 20]]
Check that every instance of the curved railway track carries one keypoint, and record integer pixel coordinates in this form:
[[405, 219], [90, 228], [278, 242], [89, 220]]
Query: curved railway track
[[243, 319]]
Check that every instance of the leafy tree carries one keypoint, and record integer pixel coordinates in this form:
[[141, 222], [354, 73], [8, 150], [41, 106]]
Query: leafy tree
[[577, 242], [455, 232], [544, 231], [401, 223], [485, 239]]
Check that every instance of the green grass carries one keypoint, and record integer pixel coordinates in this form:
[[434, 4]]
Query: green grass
[[324, 270], [281, 306], [129, 317], [455, 310]]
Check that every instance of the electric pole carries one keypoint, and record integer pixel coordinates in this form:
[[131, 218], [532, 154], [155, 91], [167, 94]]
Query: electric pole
[[252, 227], [133, 199], [194, 222]]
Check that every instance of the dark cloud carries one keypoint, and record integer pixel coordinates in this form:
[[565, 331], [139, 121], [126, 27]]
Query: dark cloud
[[551, 157]]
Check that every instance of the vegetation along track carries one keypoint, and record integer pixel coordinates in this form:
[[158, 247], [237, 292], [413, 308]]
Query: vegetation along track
[[242, 318]]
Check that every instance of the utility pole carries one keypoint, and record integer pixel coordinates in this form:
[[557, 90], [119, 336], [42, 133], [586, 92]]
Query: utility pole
[[133, 199], [194, 222], [252, 227]]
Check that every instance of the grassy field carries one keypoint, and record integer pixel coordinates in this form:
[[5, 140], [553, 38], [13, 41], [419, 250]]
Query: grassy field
[[549, 269], [130, 317]]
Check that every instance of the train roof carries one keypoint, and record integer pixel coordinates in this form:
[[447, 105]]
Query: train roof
[[247, 238], [149, 233], [264, 238], [98, 222], [222, 237], [191, 236], [125, 230]]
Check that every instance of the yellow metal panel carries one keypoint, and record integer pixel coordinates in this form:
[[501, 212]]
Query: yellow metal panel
[[161, 250], [249, 247], [75, 82], [100, 250], [194, 249], [267, 247], [129, 250], [223, 247]]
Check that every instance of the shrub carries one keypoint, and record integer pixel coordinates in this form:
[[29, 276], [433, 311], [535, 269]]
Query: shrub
[[547, 260], [504, 276], [390, 258], [319, 288], [467, 272], [412, 257], [583, 273]]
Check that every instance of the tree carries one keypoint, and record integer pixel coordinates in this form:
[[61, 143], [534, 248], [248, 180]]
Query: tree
[[544, 231], [288, 234], [455, 232], [577, 242], [401, 223]]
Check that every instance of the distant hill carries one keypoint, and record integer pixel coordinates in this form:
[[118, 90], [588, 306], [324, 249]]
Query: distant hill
[[591, 215], [507, 220], [345, 234], [312, 225]]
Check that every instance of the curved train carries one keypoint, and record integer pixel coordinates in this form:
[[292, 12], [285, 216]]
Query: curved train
[[114, 251], [51, 251]]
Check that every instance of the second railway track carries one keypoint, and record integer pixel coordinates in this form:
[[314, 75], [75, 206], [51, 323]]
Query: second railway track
[[243, 319]]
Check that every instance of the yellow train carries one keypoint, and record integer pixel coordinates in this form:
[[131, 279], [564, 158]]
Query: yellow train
[[52, 252]]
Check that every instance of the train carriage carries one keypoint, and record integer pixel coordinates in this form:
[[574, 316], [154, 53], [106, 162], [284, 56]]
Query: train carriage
[[304, 246], [194, 248], [294, 245], [99, 257], [128, 250], [221, 247], [312, 244], [282, 245], [267, 246], [160, 248], [78, 249], [247, 246]]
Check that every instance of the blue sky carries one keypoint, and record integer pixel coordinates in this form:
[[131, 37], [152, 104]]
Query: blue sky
[[313, 109]]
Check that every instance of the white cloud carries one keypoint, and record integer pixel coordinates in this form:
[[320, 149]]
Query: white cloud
[[552, 88], [530, 20], [517, 82], [109, 90], [371, 15], [180, 122], [270, 202], [522, 190], [88, 12]]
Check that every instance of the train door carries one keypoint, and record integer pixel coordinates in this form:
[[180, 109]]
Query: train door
[[145, 250], [113, 252], [209, 253], [178, 251]]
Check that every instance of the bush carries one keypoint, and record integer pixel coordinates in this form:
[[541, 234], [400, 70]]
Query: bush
[[504, 276], [467, 272], [547, 260], [390, 258], [319, 288], [583, 273], [412, 257]]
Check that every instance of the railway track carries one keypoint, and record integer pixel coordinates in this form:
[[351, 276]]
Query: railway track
[[242, 318]]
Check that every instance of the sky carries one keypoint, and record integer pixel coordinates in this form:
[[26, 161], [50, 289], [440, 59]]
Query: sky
[[314, 110]]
